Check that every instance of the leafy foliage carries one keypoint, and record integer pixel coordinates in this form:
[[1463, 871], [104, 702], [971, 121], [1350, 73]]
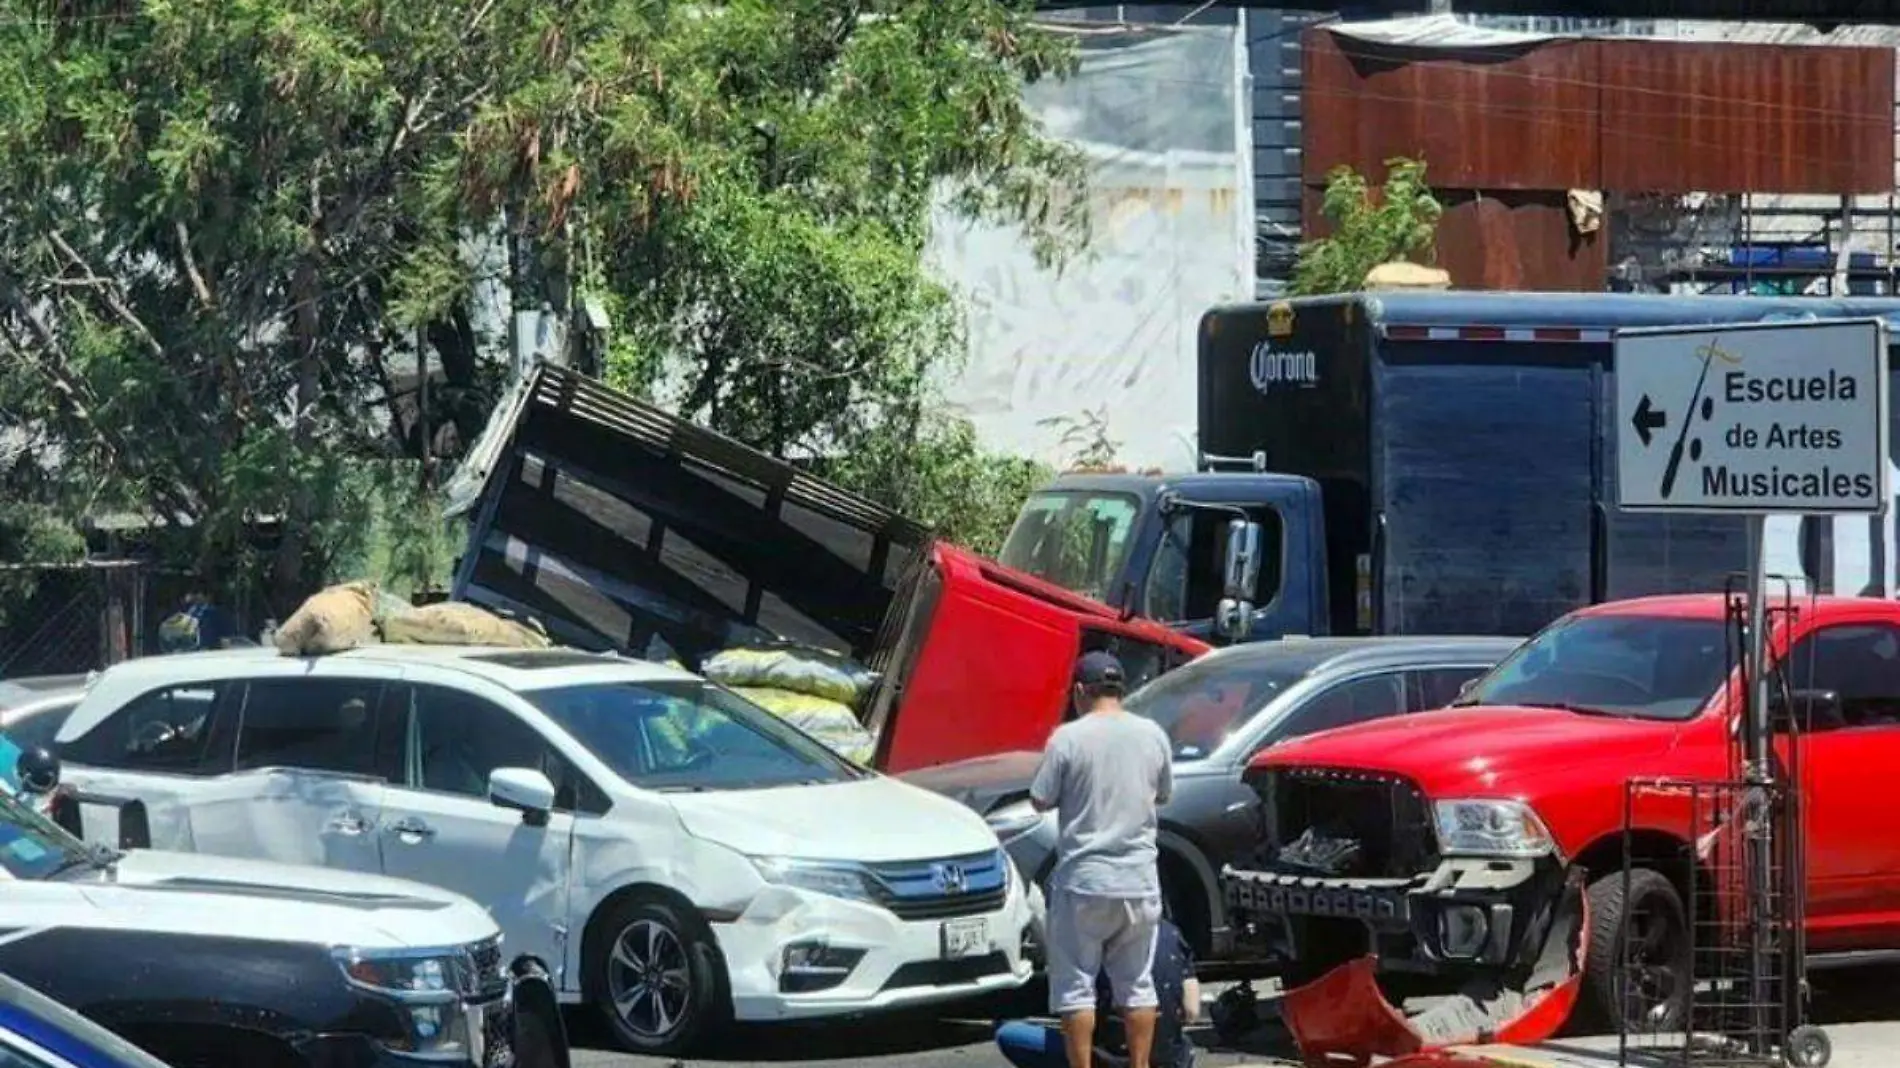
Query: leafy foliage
[[1397, 223], [942, 477], [232, 230], [1086, 438], [36, 533]]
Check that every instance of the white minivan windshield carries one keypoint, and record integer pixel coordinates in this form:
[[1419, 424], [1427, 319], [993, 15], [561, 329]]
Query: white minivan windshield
[[689, 735]]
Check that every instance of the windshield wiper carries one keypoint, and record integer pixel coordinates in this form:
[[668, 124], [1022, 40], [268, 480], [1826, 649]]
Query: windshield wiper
[[93, 857], [1581, 710]]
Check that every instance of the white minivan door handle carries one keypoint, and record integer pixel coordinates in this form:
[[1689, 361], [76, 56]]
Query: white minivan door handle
[[409, 825], [349, 823]]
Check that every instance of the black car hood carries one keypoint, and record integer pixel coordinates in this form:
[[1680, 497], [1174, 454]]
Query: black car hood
[[982, 783]]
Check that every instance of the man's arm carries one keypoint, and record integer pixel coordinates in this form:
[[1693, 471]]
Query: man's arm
[[1164, 781], [1046, 788], [1191, 1000]]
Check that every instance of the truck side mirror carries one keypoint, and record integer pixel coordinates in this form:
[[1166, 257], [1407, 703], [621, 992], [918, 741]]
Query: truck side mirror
[[1805, 710], [1241, 570], [1233, 619]]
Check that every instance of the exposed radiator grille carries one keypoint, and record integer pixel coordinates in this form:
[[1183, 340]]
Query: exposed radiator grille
[[1385, 815]]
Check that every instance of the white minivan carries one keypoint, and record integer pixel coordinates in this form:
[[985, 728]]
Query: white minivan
[[671, 853]]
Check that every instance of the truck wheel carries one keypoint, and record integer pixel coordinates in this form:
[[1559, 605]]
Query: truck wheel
[[655, 975], [1642, 986]]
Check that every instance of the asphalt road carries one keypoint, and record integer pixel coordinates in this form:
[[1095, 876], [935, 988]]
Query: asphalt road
[[912, 1040], [1860, 1009]]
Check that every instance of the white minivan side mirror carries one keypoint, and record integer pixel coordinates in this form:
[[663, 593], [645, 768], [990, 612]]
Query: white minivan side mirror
[[523, 789]]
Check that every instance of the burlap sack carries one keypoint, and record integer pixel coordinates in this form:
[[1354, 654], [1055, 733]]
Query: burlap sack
[[330, 621], [806, 671], [454, 623], [831, 723], [1402, 275]]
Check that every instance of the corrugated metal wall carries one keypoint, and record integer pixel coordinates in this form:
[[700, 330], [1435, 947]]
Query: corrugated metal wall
[[1733, 118], [1511, 119], [1620, 115], [1659, 116]]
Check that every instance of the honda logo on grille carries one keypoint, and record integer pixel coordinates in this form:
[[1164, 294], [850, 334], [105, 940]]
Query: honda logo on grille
[[950, 878]]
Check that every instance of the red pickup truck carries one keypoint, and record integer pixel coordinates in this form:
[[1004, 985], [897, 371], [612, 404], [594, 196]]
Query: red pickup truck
[[1439, 846]]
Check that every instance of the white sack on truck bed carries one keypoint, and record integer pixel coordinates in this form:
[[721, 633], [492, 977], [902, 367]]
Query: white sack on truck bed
[[816, 691], [812, 672], [830, 722]]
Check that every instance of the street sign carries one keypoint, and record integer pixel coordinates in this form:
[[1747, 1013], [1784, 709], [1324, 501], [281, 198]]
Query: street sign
[[1756, 419]]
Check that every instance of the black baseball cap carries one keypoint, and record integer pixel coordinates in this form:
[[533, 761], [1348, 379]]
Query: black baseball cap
[[1099, 668]]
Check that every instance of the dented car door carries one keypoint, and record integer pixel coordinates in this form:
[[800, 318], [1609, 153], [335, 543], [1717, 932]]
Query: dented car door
[[438, 825]]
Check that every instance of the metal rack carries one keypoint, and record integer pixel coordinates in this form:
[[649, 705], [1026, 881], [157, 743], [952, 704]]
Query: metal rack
[[1757, 222], [1736, 994]]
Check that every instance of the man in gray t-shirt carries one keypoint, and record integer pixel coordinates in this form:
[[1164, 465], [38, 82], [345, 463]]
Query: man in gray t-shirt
[[1104, 773]]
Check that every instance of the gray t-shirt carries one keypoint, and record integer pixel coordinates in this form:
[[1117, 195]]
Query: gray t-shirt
[[1104, 773]]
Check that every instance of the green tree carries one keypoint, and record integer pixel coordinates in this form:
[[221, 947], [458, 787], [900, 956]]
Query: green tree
[[231, 230], [31, 533], [942, 477], [1398, 221]]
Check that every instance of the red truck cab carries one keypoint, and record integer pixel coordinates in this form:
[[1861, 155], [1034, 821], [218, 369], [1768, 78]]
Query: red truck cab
[[979, 659], [1440, 843]]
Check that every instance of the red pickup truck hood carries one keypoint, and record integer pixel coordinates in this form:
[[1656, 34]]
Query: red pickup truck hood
[[1485, 750]]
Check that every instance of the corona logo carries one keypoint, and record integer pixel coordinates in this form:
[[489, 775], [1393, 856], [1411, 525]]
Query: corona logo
[[1280, 320], [1269, 369]]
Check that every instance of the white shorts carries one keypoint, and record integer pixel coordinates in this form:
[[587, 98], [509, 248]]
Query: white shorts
[[1088, 936]]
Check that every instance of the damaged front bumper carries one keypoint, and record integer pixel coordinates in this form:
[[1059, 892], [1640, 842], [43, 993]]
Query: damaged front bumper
[[1517, 982], [793, 954], [1467, 912]]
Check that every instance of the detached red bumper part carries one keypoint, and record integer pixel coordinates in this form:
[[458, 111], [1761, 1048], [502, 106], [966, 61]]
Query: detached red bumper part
[[1343, 1019]]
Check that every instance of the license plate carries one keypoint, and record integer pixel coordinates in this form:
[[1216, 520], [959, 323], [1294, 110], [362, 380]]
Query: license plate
[[964, 938]]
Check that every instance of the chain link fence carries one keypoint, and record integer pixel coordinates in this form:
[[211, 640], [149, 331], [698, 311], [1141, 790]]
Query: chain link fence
[[61, 619]]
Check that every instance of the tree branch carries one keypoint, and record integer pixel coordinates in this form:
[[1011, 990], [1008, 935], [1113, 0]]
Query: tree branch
[[77, 400], [190, 264], [108, 292]]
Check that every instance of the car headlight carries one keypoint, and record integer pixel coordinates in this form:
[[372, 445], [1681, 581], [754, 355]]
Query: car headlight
[[1013, 820], [1491, 829], [427, 990], [832, 878]]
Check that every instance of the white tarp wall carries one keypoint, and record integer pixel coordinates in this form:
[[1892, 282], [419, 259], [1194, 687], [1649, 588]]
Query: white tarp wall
[[1162, 116]]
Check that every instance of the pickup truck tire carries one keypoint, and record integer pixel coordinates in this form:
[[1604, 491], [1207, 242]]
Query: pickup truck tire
[[1658, 950], [656, 977]]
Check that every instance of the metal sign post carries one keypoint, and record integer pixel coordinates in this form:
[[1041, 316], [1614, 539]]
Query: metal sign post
[[1756, 420]]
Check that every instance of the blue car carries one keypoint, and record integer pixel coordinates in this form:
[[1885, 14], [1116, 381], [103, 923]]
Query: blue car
[[38, 1032]]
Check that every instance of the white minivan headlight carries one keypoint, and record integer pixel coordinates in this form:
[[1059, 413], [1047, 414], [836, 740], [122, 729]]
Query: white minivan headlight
[[1013, 820], [1488, 828], [831, 878]]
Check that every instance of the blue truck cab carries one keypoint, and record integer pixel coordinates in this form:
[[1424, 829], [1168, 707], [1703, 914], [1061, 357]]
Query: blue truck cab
[[1417, 463], [1157, 545]]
